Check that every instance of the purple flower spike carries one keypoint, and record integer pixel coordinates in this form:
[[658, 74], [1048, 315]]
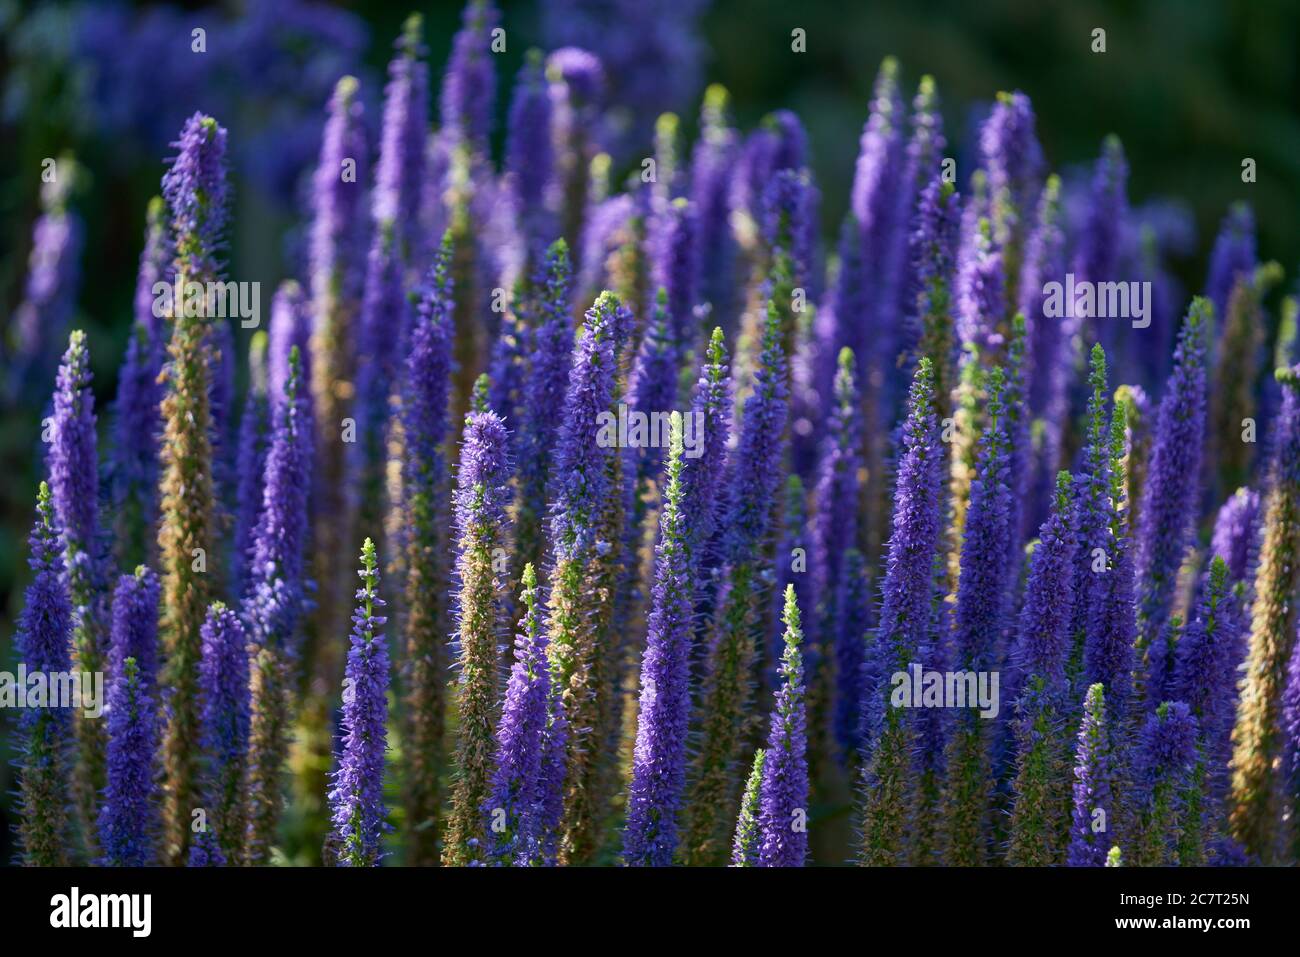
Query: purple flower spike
[[224, 723], [1170, 495], [663, 721], [43, 642], [469, 89], [128, 818], [357, 798], [783, 797], [1091, 832]]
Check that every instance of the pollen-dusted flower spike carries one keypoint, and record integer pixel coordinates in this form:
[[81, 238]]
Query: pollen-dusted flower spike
[[744, 848], [1256, 738], [583, 490], [196, 193], [783, 795], [482, 494], [1171, 492], [663, 720], [357, 798], [128, 818], [514, 809], [1093, 827], [74, 488], [424, 487], [43, 640], [223, 686]]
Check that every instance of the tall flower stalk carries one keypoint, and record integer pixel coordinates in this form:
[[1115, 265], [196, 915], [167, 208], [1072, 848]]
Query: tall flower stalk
[[128, 818], [783, 795], [659, 766], [44, 643], [1256, 737], [424, 411], [74, 489], [195, 190], [482, 495], [223, 684], [357, 798]]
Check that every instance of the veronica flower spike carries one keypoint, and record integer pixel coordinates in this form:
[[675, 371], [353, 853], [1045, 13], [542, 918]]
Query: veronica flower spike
[[357, 799]]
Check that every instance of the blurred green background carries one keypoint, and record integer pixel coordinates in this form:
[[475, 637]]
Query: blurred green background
[[1191, 86]]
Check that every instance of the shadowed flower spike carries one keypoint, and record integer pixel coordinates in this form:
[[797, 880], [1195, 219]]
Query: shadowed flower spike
[[933, 250], [254, 440], [659, 764], [401, 144], [982, 600], [514, 809], [711, 404], [753, 474], [1170, 495], [783, 795], [905, 614], [274, 604], [677, 270], [49, 297], [712, 166], [224, 723], [481, 497], [835, 528], [1013, 161], [469, 89], [1236, 532], [43, 640], [1100, 247], [357, 798], [424, 478], [1166, 751], [848, 633], [128, 817], [653, 381], [1233, 257], [196, 193], [744, 849], [1256, 737], [1206, 659], [981, 293], [529, 155], [137, 416], [337, 244], [1039, 820], [548, 379], [927, 143], [1093, 786]]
